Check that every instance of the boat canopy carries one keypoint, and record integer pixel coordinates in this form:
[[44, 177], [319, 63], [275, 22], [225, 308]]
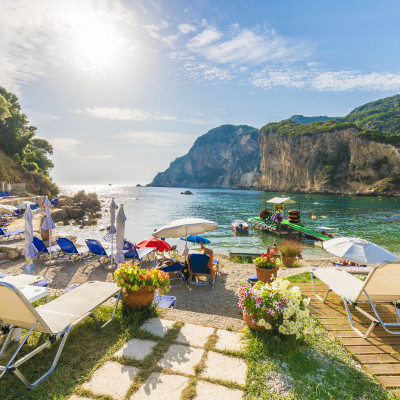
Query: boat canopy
[[282, 200]]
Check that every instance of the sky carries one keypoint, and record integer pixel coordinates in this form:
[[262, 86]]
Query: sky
[[122, 88]]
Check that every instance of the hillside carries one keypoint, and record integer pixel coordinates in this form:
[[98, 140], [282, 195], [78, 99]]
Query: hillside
[[301, 119], [226, 156]]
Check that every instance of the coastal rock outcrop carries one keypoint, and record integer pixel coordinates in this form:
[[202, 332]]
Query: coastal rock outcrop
[[332, 158], [226, 156]]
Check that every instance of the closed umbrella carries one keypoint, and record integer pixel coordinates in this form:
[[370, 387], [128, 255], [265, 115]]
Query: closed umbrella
[[9, 187], [159, 244], [48, 224], [3, 186], [121, 218], [29, 250], [358, 250], [185, 227], [113, 207]]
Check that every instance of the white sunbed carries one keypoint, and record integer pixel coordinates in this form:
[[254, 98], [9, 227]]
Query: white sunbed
[[381, 287], [55, 319]]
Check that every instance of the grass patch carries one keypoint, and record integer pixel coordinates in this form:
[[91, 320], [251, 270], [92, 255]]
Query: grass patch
[[303, 277], [243, 259]]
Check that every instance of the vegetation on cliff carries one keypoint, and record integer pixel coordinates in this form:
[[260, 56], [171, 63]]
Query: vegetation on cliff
[[301, 119], [24, 157]]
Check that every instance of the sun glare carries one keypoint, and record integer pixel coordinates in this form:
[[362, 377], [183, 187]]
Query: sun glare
[[95, 45]]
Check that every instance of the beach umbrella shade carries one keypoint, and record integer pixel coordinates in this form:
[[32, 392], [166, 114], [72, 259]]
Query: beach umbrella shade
[[197, 239], [185, 227], [28, 250], [113, 207], [9, 187], [159, 244], [121, 218], [48, 224], [358, 250]]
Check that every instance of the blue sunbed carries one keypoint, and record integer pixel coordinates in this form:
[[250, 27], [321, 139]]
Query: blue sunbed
[[97, 249], [6, 234], [43, 249], [138, 254], [67, 247]]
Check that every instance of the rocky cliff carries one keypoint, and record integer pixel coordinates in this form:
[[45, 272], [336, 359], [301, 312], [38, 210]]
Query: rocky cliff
[[226, 156], [328, 157]]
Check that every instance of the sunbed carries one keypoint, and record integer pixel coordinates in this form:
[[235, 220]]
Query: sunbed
[[198, 266], [138, 254], [97, 249], [68, 248], [17, 232], [381, 287], [55, 319], [43, 249], [8, 194]]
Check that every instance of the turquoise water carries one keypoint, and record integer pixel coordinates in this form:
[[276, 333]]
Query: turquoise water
[[375, 219]]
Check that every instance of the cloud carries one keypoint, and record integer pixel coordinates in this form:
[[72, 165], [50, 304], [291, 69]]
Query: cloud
[[159, 139], [65, 145], [187, 28], [99, 157], [320, 80], [204, 39], [126, 114]]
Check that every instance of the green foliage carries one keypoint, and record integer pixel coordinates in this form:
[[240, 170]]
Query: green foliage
[[380, 137], [381, 115], [301, 119], [266, 263], [17, 137], [292, 129]]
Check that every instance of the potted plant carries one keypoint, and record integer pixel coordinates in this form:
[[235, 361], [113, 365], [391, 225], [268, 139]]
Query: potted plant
[[275, 306], [266, 266], [139, 285], [289, 251]]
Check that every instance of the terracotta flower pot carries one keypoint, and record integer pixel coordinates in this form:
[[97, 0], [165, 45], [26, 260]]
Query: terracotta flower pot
[[265, 275], [288, 261], [255, 327], [139, 298]]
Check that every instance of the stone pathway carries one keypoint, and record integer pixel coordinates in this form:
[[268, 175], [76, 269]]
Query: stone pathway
[[195, 360]]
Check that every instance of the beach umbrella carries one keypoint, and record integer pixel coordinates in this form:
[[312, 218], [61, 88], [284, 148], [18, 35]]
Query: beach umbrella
[[159, 244], [48, 224], [185, 227], [197, 239], [358, 250], [9, 187], [113, 207], [121, 218], [29, 250], [3, 186]]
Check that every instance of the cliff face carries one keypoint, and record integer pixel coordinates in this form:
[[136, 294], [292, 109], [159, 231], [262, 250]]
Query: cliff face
[[340, 160], [226, 156]]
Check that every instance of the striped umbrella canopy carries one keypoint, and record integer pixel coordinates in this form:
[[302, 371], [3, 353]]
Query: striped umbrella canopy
[[48, 224], [121, 218], [29, 250]]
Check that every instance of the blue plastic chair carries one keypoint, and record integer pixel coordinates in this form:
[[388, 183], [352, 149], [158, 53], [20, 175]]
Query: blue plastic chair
[[97, 249], [8, 194], [137, 254], [198, 266], [43, 249], [67, 247], [175, 272], [17, 232]]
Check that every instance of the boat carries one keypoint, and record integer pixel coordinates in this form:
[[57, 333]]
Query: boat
[[187, 192], [239, 225]]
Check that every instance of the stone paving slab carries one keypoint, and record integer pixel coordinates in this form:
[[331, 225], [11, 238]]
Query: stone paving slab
[[228, 340], [219, 366], [194, 335], [112, 379], [208, 391], [158, 327], [136, 348], [181, 358], [75, 397], [161, 387]]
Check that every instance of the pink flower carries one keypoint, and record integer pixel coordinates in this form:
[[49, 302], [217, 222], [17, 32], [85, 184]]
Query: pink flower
[[271, 312], [271, 294]]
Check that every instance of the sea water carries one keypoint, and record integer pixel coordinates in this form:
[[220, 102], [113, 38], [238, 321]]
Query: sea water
[[148, 208]]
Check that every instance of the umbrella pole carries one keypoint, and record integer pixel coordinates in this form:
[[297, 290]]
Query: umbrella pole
[[112, 249], [50, 244]]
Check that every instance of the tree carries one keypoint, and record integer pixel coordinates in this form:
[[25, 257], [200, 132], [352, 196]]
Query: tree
[[4, 108]]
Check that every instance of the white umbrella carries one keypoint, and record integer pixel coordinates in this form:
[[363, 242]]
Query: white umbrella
[[185, 227], [358, 250], [9, 187], [29, 250], [48, 224], [3, 186], [121, 218], [113, 207]]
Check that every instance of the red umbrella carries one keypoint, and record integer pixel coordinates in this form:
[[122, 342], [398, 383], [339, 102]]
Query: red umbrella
[[159, 244]]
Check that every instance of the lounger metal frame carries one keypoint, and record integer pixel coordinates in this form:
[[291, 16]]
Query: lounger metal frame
[[12, 366], [207, 274], [375, 321]]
